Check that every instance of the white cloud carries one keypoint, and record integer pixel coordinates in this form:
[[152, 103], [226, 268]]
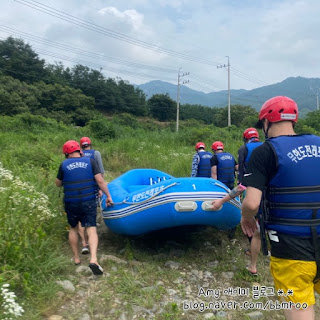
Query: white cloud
[[130, 16]]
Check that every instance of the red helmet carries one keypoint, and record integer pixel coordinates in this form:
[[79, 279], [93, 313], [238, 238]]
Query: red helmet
[[279, 108], [250, 133], [85, 141], [71, 146], [200, 145], [217, 145]]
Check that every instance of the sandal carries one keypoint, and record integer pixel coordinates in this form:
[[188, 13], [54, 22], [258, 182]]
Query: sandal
[[96, 269], [85, 250], [252, 273]]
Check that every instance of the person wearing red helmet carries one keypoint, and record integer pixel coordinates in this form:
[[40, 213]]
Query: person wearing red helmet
[[284, 174], [201, 162], [87, 150], [223, 165], [251, 141], [78, 175], [85, 143]]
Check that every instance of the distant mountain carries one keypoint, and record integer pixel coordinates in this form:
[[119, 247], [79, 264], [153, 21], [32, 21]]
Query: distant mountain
[[302, 90]]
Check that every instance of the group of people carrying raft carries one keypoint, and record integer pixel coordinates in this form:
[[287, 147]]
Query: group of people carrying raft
[[281, 178], [222, 165]]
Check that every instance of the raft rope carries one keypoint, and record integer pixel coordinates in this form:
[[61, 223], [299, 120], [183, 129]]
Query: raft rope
[[232, 201], [221, 186], [153, 196]]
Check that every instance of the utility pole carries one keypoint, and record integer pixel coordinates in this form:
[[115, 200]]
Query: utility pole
[[317, 96], [229, 109], [178, 94]]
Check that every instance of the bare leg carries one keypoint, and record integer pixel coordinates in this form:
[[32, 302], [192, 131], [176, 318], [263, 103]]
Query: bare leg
[[294, 314], [82, 234], [73, 240], [93, 243], [254, 250]]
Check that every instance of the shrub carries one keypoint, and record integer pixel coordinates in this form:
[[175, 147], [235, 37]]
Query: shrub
[[102, 129], [126, 119]]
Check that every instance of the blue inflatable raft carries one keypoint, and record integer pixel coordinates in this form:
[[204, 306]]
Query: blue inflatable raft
[[146, 200]]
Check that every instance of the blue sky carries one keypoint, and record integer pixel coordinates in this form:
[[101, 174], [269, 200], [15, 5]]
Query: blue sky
[[267, 41]]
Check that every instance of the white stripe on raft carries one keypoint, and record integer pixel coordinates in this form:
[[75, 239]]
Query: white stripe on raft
[[165, 199]]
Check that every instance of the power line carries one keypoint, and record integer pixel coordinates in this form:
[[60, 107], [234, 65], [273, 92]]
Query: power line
[[247, 77], [119, 36], [116, 35], [97, 66], [80, 51], [206, 81]]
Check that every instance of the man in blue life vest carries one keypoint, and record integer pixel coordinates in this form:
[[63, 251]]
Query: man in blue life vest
[[87, 151], [223, 165], [201, 162], [251, 141], [284, 173], [78, 175]]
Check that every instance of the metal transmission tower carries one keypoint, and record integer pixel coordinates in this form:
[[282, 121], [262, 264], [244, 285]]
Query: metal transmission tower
[[178, 93], [229, 111]]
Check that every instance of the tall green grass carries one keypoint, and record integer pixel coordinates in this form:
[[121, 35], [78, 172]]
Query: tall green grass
[[33, 226]]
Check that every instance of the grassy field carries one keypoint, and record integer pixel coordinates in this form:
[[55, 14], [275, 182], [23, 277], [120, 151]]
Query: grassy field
[[142, 283]]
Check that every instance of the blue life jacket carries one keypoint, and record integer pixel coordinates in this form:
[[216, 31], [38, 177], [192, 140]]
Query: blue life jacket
[[294, 192], [250, 147], [225, 168], [204, 165], [78, 180], [88, 153]]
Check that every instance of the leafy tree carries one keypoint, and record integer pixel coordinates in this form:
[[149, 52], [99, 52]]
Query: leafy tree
[[241, 116], [109, 95], [58, 74], [59, 101], [162, 107], [312, 119], [16, 96], [198, 112], [88, 80], [134, 99], [18, 60]]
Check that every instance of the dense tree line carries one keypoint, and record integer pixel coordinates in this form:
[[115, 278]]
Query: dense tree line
[[56, 91], [49, 100], [110, 96], [77, 95]]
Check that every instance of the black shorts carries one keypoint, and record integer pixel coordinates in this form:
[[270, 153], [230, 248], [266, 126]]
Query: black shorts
[[85, 212]]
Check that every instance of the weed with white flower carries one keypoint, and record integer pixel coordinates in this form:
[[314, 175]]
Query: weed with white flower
[[10, 307]]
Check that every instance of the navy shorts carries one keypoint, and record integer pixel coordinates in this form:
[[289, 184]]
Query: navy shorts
[[85, 212]]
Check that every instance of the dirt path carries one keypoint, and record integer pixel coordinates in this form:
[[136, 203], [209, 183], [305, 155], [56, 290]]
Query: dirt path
[[169, 275]]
